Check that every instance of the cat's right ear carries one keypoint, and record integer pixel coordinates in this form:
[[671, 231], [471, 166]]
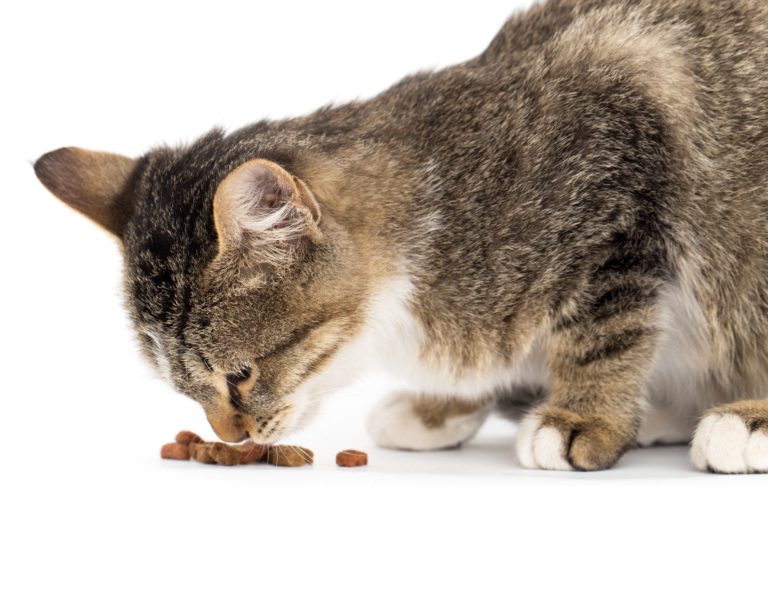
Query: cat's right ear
[[94, 183], [263, 211]]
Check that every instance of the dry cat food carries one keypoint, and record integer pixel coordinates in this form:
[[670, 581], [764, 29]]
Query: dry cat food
[[175, 451], [185, 437], [189, 445], [351, 458]]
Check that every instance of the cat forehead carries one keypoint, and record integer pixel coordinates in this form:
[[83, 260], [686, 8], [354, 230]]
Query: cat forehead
[[171, 232], [163, 261]]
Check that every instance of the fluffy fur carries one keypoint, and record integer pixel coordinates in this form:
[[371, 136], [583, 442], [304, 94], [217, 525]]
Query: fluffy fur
[[571, 224]]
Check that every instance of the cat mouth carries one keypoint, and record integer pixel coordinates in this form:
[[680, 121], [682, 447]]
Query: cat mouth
[[269, 430]]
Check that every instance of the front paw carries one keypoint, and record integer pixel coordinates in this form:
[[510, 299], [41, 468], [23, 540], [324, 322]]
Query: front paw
[[403, 421], [553, 438], [731, 441]]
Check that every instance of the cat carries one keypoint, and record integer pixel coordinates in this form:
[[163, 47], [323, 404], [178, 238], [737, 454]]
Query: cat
[[570, 228]]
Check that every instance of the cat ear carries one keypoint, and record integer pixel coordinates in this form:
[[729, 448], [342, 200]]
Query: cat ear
[[94, 183], [262, 207]]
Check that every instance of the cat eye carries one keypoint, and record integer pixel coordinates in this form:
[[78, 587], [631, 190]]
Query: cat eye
[[242, 374]]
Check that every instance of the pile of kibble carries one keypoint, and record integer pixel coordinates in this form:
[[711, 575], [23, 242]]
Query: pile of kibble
[[188, 446]]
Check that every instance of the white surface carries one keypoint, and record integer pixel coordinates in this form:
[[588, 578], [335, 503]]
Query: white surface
[[85, 500]]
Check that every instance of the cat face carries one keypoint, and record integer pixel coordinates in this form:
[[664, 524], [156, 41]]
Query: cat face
[[239, 289]]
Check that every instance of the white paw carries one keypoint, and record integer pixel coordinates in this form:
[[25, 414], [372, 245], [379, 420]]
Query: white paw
[[393, 424], [541, 447], [724, 444]]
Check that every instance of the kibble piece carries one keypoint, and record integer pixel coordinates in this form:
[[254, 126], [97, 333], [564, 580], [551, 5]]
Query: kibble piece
[[351, 458], [175, 451], [185, 437], [200, 452], [225, 454], [250, 452], [289, 456], [215, 453]]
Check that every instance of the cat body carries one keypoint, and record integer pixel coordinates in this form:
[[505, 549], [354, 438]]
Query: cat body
[[571, 225]]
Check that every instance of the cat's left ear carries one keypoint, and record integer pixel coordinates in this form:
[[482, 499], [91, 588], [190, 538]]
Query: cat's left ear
[[94, 183], [262, 207]]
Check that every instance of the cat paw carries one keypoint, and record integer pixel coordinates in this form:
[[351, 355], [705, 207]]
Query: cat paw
[[399, 422], [724, 443], [561, 440]]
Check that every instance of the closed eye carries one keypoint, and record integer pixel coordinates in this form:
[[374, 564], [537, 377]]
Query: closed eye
[[243, 374], [295, 338], [207, 363]]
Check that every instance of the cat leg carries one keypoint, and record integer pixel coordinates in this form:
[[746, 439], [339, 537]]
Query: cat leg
[[418, 422], [733, 438], [599, 360]]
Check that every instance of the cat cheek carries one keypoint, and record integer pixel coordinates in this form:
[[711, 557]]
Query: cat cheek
[[163, 368]]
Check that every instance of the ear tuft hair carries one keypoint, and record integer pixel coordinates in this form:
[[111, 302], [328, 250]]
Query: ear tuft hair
[[260, 207]]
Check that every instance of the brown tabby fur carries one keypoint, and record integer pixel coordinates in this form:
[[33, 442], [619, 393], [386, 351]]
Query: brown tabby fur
[[598, 153]]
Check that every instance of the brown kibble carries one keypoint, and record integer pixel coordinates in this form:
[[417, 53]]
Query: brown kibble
[[351, 458], [201, 452], [215, 453], [188, 445], [175, 451], [289, 456], [224, 454], [185, 437], [250, 452]]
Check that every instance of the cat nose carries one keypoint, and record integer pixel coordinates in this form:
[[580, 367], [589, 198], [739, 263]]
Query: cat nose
[[230, 435], [227, 426]]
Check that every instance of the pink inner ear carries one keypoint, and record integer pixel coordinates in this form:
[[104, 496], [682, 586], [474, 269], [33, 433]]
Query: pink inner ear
[[269, 200], [260, 195], [262, 187]]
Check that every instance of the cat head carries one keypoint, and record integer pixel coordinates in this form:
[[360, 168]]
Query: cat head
[[238, 281]]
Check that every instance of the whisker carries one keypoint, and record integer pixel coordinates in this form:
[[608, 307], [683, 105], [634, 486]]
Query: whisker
[[304, 454]]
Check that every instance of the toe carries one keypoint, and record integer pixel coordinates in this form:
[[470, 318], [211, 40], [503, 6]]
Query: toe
[[700, 441], [757, 452], [549, 449], [724, 444], [524, 445]]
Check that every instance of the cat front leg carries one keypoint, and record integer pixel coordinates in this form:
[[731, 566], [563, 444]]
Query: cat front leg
[[417, 422], [599, 360]]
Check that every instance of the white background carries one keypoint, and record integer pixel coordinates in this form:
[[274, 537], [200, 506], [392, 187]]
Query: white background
[[85, 500]]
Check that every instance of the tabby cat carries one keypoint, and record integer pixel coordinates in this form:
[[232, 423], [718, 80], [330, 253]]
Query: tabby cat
[[571, 227]]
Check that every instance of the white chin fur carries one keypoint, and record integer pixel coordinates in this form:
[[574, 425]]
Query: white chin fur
[[724, 444], [541, 447], [392, 424]]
